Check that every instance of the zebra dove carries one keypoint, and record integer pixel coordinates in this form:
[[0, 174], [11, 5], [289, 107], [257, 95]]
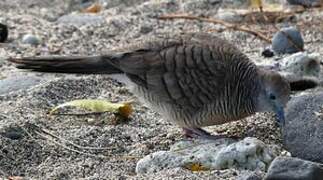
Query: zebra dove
[[194, 80]]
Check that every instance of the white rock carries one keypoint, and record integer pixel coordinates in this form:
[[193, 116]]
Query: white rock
[[30, 39], [249, 153]]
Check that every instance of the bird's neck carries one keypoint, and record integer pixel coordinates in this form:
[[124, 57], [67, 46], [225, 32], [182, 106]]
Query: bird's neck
[[261, 101]]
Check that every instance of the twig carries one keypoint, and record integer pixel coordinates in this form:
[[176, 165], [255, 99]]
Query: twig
[[217, 21], [37, 130], [70, 149], [71, 143]]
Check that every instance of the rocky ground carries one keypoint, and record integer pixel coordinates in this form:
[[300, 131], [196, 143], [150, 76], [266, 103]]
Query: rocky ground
[[35, 145]]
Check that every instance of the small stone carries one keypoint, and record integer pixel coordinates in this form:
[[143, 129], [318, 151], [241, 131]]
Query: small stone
[[249, 153], [288, 168], [13, 133], [267, 53], [3, 33], [30, 39], [287, 41], [144, 29]]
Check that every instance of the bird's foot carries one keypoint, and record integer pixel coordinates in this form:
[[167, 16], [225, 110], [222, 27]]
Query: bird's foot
[[198, 133]]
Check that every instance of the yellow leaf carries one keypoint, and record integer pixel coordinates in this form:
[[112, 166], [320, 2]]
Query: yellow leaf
[[196, 167], [256, 4], [95, 105]]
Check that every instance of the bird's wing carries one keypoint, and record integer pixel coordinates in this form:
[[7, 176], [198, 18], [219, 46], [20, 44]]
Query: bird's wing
[[187, 71]]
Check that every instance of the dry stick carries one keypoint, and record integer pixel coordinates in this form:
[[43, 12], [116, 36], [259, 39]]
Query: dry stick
[[70, 149], [80, 152], [216, 21], [71, 143]]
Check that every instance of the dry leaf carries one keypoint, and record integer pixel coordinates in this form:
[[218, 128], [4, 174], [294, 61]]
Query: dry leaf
[[94, 8], [256, 4], [94, 105], [196, 167]]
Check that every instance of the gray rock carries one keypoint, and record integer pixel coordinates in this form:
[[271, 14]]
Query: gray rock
[[281, 42], [81, 19], [306, 3], [249, 153], [16, 83], [303, 131], [302, 64], [31, 39], [288, 168]]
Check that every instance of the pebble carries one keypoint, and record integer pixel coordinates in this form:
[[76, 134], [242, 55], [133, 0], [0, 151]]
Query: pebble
[[267, 53], [13, 133], [31, 39], [281, 44], [289, 168]]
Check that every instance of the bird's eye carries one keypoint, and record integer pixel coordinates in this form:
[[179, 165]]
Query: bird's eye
[[272, 97]]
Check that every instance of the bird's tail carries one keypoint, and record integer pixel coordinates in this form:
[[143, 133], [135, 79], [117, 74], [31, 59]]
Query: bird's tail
[[68, 64]]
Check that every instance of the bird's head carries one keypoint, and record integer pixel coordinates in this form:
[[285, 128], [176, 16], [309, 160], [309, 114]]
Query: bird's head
[[274, 94]]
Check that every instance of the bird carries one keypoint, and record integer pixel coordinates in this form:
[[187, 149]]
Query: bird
[[193, 80]]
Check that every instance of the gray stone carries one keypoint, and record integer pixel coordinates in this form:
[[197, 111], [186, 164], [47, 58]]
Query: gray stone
[[306, 3], [16, 83], [249, 153], [31, 39], [302, 64], [81, 19], [303, 131], [288, 168], [285, 40]]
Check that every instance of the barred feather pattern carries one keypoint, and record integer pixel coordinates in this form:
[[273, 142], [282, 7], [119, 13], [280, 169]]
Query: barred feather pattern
[[192, 79]]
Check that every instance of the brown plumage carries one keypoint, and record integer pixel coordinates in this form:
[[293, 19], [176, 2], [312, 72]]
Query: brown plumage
[[193, 80]]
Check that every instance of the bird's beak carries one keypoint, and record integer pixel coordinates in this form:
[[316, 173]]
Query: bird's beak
[[280, 115]]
